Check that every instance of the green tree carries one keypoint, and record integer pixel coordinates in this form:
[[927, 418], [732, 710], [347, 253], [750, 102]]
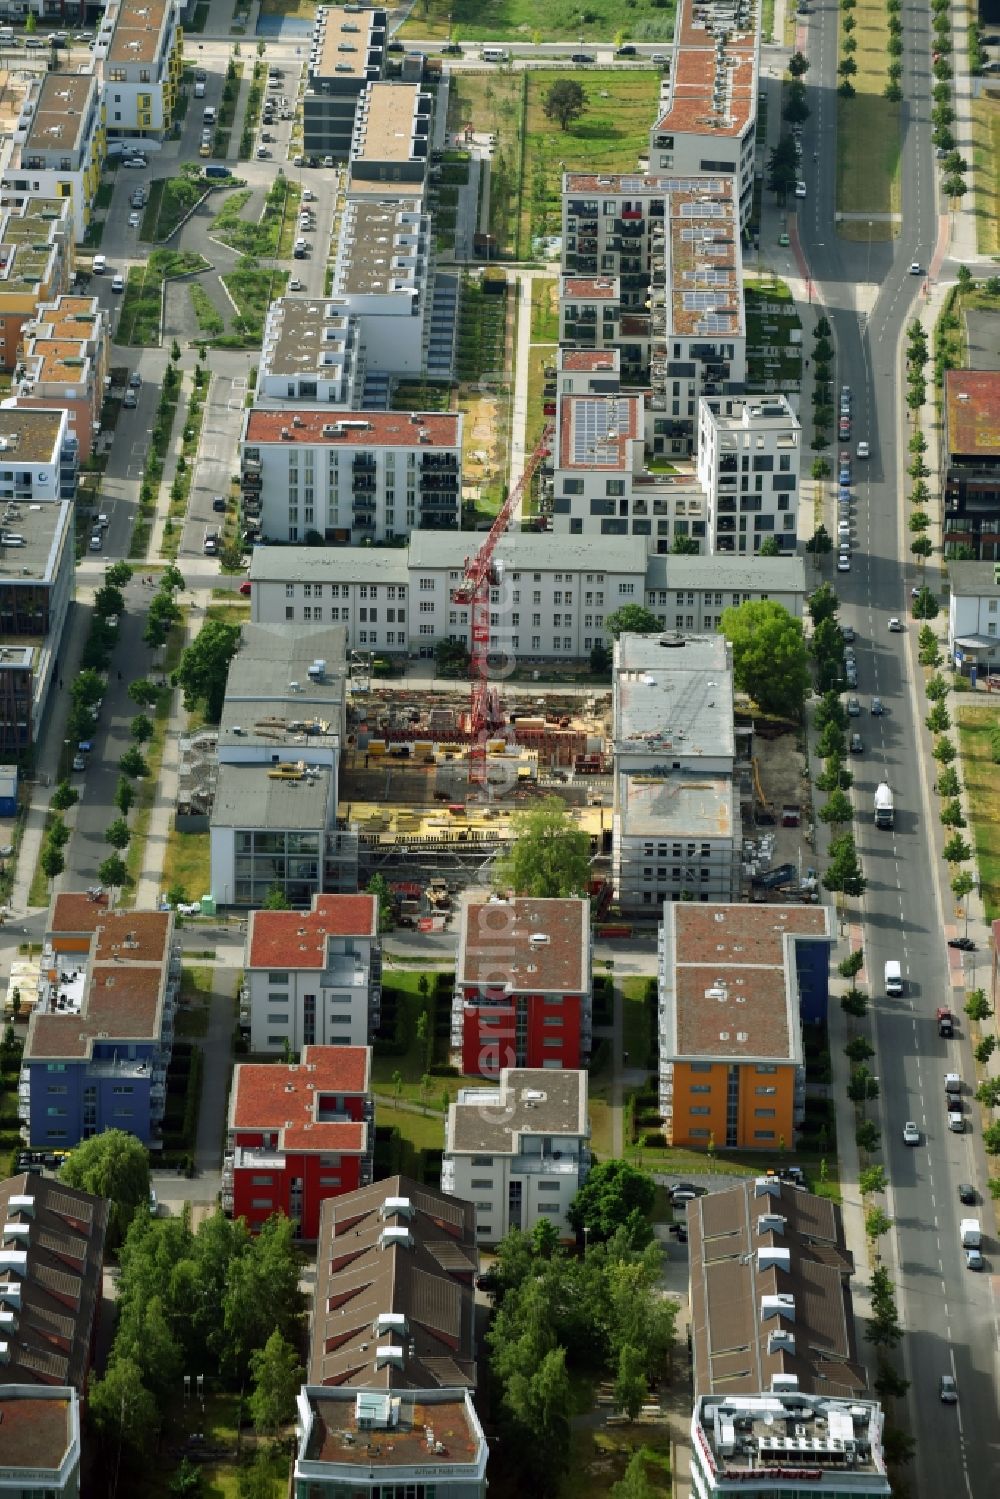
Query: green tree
[[144, 693], [820, 542], [614, 1196], [859, 1049], [877, 1223], [866, 1136], [133, 763], [276, 899], [851, 966], [951, 814], [798, 65], [830, 709], [600, 659], [162, 616], [124, 795], [944, 750], [956, 850], [634, 1483], [549, 854], [844, 872], [854, 1003], [141, 728], [770, 659], [378, 885], [113, 1165], [109, 602], [118, 833], [64, 797], [862, 1086], [204, 666], [836, 810], [977, 1006], [632, 619], [113, 872], [988, 1093], [565, 101], [59, 833], [630, 1385], [126, 1417], [52, 861], [261, 1293], [87, 688], [938, 719], [872, 1179], [963, 884], [256, 1480], [937, 688], [685, 546], [277, 1377]]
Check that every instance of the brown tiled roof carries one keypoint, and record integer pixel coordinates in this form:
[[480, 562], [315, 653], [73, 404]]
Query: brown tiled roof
[[75, 912], [423, 1269], [972, 401], [693, 74], [367, 429], [272, 1096], [35, 1430], [297, 939], [121, 1002], [60, 1285], [496, 951]]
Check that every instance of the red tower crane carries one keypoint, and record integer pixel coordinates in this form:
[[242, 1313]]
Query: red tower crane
[[474, 591]]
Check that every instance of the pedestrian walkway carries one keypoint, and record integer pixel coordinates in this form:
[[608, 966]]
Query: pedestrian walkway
[[216, 1048]]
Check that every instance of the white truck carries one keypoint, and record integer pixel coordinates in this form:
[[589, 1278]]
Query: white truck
[[972, 1234], [883, 805]]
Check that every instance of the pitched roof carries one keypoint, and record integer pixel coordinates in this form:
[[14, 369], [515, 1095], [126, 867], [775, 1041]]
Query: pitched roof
[[296, 939], [50, 1279], [405, 1253]]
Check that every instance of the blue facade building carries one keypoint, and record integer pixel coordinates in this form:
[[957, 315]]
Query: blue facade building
[[100, 1037]]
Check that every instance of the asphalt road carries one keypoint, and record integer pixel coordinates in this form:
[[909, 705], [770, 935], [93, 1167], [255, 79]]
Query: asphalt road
[[947, 1310]]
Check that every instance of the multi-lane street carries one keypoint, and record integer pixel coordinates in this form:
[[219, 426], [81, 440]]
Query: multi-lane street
[[870, 295]]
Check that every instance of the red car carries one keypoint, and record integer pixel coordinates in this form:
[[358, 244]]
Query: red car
[[245, 588]]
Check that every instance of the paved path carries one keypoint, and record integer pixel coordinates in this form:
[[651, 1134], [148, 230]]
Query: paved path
[[217, 1053]]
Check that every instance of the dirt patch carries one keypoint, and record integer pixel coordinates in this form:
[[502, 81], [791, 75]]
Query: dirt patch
[[782, 771], [482, 451]]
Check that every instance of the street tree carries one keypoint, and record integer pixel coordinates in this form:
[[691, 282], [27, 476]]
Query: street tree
[[124, 795], [854, 1003], [844, 871], [877, 1223], [823, 604], [863, 1085], [87, 688], [821, 468], [51, 860], [133, 763], [108, 602], [204, 666], [830, 709], [937, 688], [144, 693], [820, 542], [549, 854], [798, 65], [113, 872], [59, 833], [836, 810], [633, 619], [565, 101], [918, 521], [64, 797], [851, 966], [991, 1139], [977, 1006], [172, 579], [872, 1179], [925, 606], [988, 1093], [162, 616], [964, 883], [277, 1377], [770, 659], [141, 728], [859, 1049], [944, 750], [938, 719], [114, 1165], [948, 784], [614, 1196], [956, 850], [118, 834], [867, 1136]]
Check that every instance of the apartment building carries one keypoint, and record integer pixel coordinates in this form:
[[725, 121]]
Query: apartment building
[[36, 262], [974, 618], [311, 352], [139, 58], [100, 1036], [39, 456], [676, 832], [690, 594], [383, 272], [390, 146], [590, 309], [41, 1443], [736, 984], [522, 985], [298, 1134], [37, 573], [519, 1152], [50, 1298], [346, 53], [971, 462], [707, 121], [749, 457], [314, 978], [58, 145], [587, 372], [366, 476], [670, 246], [273, 817], [64, 362]]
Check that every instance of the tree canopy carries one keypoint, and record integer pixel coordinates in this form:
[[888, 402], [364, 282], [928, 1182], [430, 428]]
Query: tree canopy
[[632, 619], [204, 666], [613, 1197], [565, 101], [770, 658], [113, 1165], [549, 855]]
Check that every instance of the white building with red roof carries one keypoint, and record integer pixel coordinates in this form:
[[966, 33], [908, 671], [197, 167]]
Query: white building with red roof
[[298, 1134], [314, 978]]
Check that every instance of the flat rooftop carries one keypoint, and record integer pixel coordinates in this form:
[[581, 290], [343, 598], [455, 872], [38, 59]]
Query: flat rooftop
[[301, 939], [969, 579], [43, 530], [60, 113], [298, 1100], [429, 550], [381, 243], [972, 404], [703, 269], [253, 796], [682, 804], [30, 434], [826, 1442], [588, 361], [351, 1429], [137, 28], [28, 244], [345, 39], [39, 1427], [529, 1101], [307, 336], [59, 361], [596, 288], [673, 694], [357, 429], [728, 574], [524, 946], [712, 85], [68, 316], [595, 431], [330, 564], [385, 123]]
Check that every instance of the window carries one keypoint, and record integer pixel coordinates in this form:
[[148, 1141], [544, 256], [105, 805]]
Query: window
[[261, 1202], [262, 1181], [427, 585], [763, 1134], [764, 1113], [765, 1092], [699, 1110], [482, 1160], [481, 1183], [765, 1067]]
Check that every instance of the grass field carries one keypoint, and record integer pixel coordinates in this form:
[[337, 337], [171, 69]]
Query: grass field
[[598, 1458], [635, 1022], [986, 172], [526, 174], [982, 782], [170, 198], [537, 20], [771, 330], [545, 310], [253, 289], [140, 318], [868, 142], [187, 864]]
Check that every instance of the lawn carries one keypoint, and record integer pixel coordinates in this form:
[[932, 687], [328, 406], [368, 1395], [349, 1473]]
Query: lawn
[[187, 864], [982, 782], [262, 239], [253, 289], [636, 1030], [545, 310], [210, 322], [868, 138], [986, 172], [768, 330], [538, 20], [215, 1426], [170, 199], [140, 318], [598, 1458]]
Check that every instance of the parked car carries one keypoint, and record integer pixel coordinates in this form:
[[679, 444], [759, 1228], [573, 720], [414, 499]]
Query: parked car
[[245, 588], [964, 944], [219, 502]]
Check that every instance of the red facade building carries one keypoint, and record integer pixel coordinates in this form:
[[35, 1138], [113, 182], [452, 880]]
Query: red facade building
[[523, 985], [298, 1134]]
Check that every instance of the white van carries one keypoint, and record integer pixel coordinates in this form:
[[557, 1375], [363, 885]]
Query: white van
[[495, 54], [100, 265], [199, 91], [208, 115], [893, 978], [6, 35]]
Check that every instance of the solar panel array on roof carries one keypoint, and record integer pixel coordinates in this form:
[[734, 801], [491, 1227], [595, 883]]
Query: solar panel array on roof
[[707, 276], [595, 432], [694, 301], [704, 210], [713, 322]]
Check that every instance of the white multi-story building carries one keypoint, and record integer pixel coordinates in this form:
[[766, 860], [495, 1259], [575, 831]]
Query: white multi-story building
[[519, 1152], [784, 1442], [383, 273], [974, 617], [708, 115], [347, 51], [139, 58], [677, 826], [552, 600], [311, 352], [390, 148], [749, 452], [64, 362], [58, 145], [351, 477], [39, 456], [314, 978]]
